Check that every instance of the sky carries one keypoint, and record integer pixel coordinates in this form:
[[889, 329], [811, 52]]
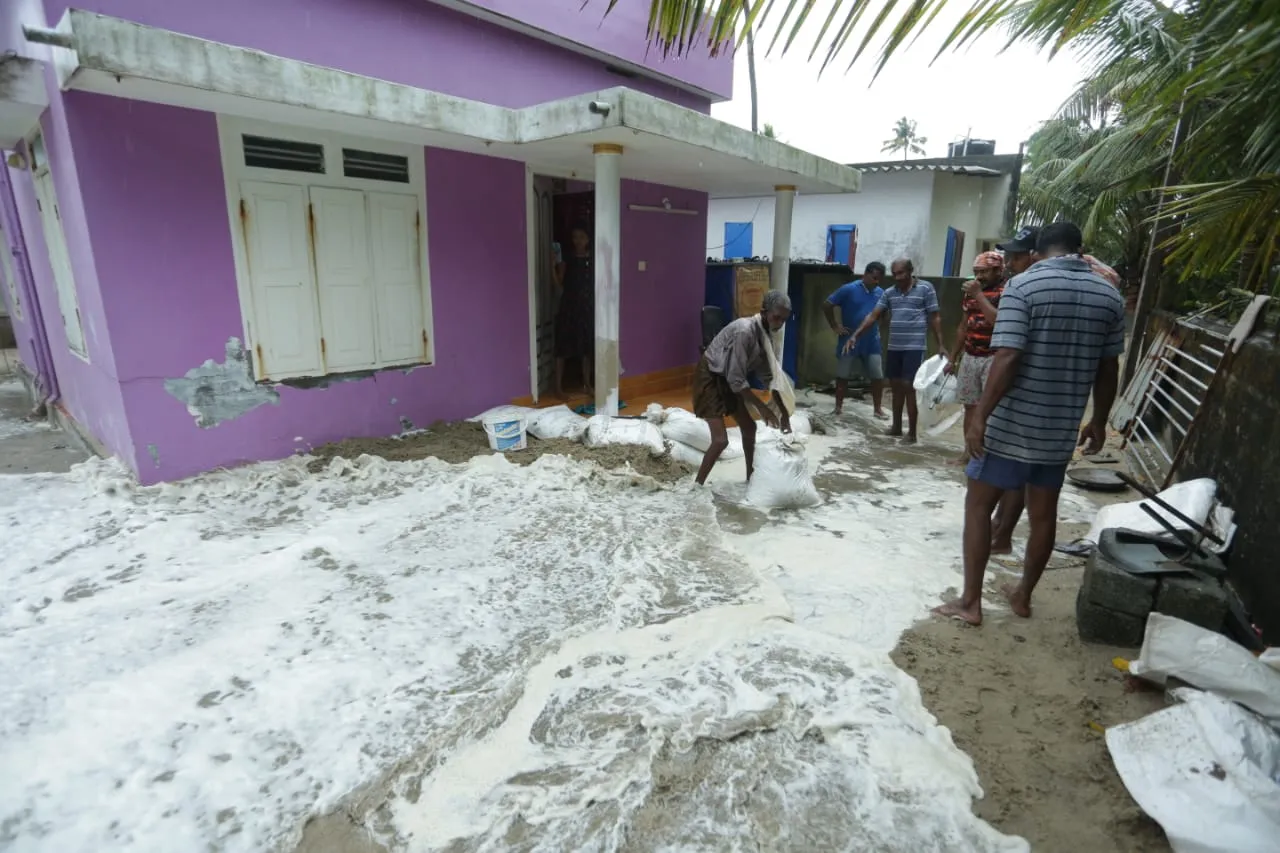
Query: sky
[[847, 117]]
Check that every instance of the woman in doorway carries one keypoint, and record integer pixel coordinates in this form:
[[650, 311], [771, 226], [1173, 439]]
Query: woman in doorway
[[576, 319]]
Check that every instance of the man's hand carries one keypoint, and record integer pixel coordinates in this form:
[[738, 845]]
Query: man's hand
[[786, 421], [975, 437], [840, 329], [1093, 436], [951, 366], [767, 415], [970, 288], [850, 344]]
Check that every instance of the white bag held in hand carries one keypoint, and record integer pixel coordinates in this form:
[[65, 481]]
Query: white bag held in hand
[[603, 430], [557, 422], [936, 388], [781, 478]]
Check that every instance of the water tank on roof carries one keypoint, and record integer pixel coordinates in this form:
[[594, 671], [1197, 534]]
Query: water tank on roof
[[976, 146]]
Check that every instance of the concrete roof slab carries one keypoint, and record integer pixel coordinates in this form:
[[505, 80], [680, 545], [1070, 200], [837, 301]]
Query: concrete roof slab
[[664, 143]]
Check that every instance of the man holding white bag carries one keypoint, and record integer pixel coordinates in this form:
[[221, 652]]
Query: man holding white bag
[[744, 349]]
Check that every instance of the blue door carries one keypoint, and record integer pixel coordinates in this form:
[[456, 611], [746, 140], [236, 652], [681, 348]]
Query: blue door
[[737, 240], [838, 240]]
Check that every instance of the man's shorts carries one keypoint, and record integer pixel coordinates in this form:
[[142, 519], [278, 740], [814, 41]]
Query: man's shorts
[[869, 366], [972, 378], [903, 364], [1011, 475]]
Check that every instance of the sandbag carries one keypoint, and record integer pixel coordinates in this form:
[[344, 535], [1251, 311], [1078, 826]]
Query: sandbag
[[603, 430], [557, 422], [781, 479], [686, 455], [505, 413]]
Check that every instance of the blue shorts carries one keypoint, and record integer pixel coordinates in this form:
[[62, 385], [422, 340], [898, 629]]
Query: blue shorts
[[869, 365], [903, 364], [1011, 475]]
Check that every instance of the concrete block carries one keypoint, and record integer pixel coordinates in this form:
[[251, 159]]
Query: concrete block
[[1110, 586], [1098, 624], [1199, 602]]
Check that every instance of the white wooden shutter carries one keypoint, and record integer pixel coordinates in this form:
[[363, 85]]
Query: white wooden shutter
[[343, 273], [59, 260], [397, 277], [286, 328]]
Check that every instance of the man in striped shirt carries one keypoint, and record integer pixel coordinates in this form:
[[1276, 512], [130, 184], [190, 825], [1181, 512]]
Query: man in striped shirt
[[1059, 334], [913, 311]]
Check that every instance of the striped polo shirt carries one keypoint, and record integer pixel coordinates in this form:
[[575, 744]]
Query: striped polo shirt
[[909, 314], [1065, 319]]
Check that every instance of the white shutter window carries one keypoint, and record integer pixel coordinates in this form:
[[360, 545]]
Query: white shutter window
[[286, 328], [59, 258], [343, 273], [397, 277]]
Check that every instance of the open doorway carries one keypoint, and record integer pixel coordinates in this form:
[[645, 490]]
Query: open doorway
[[564, 284]]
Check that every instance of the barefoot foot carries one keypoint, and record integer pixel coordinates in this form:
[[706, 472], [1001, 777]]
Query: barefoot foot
[[882, 416], [1001, 548], [894, 432], [1019, 602], [957, 610], [909, 438]]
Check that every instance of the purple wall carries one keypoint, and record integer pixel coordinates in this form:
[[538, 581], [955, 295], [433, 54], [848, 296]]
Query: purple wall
[[414, 42], [660, 306], [621, 34], [153, 187]]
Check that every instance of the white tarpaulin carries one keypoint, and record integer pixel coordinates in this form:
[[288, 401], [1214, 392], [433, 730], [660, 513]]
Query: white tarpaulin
[[1210, 661], [1207, 771]]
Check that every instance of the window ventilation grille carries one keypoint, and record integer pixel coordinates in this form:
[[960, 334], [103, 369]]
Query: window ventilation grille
[[375, 166], [266, 153]]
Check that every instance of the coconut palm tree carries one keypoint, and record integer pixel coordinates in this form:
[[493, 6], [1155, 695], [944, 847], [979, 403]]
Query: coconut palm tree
[[905, 139]]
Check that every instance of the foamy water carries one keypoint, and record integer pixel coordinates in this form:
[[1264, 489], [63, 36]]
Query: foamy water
[[499, 657]]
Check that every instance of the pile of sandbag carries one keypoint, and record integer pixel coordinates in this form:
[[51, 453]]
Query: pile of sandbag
[[690, 436]]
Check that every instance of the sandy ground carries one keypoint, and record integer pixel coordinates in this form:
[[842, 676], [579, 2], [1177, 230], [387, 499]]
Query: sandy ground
[[1025, 698], [30, 445], [458, 442]]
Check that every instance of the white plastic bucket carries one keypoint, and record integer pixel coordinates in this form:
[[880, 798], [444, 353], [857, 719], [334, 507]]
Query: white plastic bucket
[[506, 433]]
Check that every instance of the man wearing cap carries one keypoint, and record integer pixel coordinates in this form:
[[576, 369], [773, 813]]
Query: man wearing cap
[[1058, 337], [973, 337]]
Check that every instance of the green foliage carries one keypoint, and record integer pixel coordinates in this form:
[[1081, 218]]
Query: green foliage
[[1213, 65], [905, 139]]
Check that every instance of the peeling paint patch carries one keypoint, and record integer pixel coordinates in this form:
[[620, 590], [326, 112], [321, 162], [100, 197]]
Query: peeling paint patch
[[154, 453], [214, 392], [406, 424]]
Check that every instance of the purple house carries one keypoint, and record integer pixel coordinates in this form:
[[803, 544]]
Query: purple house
[[237, 230]]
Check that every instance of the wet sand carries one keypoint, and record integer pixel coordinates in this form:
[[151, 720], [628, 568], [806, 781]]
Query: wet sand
[[457, 442]]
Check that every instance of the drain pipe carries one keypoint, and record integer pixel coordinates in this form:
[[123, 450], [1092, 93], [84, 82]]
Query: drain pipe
[[53, 38]]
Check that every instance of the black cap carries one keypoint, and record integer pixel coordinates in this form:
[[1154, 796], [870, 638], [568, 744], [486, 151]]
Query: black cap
[[1022, 242]]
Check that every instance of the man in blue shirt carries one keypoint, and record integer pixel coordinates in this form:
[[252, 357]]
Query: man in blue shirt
[[856, 300]]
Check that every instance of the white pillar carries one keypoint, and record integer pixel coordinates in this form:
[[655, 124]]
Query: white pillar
[[608, 271], [784, 202]]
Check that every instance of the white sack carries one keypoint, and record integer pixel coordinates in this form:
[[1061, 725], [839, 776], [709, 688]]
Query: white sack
[[505, 413], [686, 455], [603, 430], [781, 478], [801, 424], [1195, 498], [689, 429], [1206, 771], [1208, 660], [557, 422]]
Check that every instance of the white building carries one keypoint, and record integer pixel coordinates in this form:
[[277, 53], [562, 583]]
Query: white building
[[939, 212]]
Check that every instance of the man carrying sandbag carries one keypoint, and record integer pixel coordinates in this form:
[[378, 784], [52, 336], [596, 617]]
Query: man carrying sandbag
[[722, 381]]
